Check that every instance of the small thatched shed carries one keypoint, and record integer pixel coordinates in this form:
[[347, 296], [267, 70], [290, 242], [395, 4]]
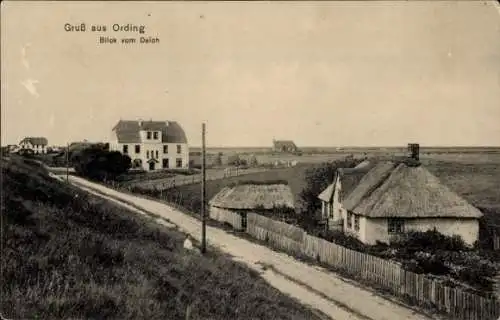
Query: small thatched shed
[[232, 203]]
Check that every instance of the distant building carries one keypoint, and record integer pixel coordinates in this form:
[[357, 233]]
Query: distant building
[[390, 197], [284, 146], [152, 145], [37, 144], [12, 148]]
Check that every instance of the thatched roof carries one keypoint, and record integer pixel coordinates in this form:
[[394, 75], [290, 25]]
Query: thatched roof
[[394, 189], [249, 196], [349, 179]]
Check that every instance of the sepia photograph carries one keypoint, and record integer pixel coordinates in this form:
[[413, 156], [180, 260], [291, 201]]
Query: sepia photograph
[[250, 160]]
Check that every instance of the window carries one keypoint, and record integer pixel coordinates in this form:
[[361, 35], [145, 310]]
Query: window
[[155, 135], [349, 220], [165, 163], [356, 222], [147, 154], [156, 154], [137, 163], [178, 163], [165, 149], [125, 148], [149, 135], [137, 148], [395, 226], [178, 148]]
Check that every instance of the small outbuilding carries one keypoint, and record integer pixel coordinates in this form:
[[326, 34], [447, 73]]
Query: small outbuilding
[[232, 203]]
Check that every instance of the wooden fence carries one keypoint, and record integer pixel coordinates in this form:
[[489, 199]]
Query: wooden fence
[[179, 180], [227, 216], [418, 289]]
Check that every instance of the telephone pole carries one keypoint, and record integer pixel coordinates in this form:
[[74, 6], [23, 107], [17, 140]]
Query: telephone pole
[[67, 162], [203, 207]]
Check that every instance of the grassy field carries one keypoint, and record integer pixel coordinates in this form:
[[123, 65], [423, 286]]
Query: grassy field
[[66, 254], [191, 194], [478, 182], [476, 177]]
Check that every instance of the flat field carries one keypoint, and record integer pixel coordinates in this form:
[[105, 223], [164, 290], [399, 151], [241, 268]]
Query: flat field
[[191, 194], [475, 176]]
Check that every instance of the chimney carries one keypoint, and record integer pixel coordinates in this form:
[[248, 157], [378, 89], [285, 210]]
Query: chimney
[[413, 151]]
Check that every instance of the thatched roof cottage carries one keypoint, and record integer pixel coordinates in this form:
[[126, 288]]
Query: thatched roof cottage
[[396, 196], [232, 203]]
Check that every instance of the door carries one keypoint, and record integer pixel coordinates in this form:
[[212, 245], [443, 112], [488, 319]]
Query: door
[[243, 221], [151, 165]]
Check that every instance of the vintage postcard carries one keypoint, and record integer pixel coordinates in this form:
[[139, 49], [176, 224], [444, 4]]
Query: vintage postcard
[[220, 160]]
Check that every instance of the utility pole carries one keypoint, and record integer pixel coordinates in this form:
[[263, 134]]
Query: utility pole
[[203, 177], [67, 162]]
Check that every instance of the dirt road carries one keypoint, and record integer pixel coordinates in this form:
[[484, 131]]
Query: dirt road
[[313, 286]]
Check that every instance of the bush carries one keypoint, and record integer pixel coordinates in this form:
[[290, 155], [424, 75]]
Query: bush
[[235, 160], [428, 241], [253, 161]]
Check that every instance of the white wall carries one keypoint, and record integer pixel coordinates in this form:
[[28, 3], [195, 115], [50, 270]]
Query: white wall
[[153, 145], [36, 148], [336, 205], [372, 230], [172, 154]]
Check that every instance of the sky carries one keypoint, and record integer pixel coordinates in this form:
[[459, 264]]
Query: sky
[[319, 73]]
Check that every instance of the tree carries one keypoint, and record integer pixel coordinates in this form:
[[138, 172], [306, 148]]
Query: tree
[[253, 161], [218, 159], [99, 164]]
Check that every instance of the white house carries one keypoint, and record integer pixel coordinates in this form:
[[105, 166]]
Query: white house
[[37, 144], [331, 198], [152, 145], [397, 196]]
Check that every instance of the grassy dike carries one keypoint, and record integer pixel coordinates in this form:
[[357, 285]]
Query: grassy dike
[[68, 254]]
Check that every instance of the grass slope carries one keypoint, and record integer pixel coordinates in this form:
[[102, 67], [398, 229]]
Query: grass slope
[[66, 254]]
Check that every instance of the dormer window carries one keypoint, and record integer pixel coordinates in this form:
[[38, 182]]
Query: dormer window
[[155, 135], [149, 135]]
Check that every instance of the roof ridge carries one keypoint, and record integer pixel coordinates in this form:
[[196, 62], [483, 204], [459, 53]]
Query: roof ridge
[[384, 185]]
